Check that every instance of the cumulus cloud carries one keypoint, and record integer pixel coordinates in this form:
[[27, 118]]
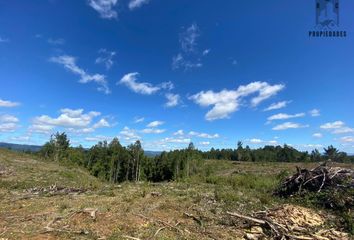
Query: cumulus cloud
[[278, 105], [263, 142], [337, 127], [102, 124], [98, 138], [315, 113], [69, 63], [129, 134], [153, 130], [154, 124], [347, 139], [226, 102], [72, 120], [8, 123], [130, 80], [203, 135], [134, 4], [4, 103], [204, 143], [176, 140], [283, 116], [104, 7], [317, 135], [289, 125], [8, 127], [106, 58], [8, 118], [172, 100]]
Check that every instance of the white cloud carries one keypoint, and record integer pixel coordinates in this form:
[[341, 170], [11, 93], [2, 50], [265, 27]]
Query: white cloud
[[130, 80], [264, 142], [68, 118], [317, 135], [206, 52], [337, 127], [98, 138], [277, 105], [189, 56], [203, 135], [8, 127], [204, 143], [176, 140], [41, 128], [289, 125], [347, 139], [8, 123], [315, 113], [172, 100], [69, 63], [283, 116], [8, 118], [188, 38], [154, 124], [74, 121], [226, 102], [104, 8], [179, 133], [129, 134], [134, 4], [101, 124], [153, 130], [179, 61], [57, 41], [106, 58], [139, 120], [333, 125], [4, 103]]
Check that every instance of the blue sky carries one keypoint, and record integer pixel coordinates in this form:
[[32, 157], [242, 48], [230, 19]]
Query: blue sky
[[171, 72]]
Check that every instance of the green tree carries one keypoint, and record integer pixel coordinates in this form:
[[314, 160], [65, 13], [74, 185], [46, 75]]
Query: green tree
[[331, 153]]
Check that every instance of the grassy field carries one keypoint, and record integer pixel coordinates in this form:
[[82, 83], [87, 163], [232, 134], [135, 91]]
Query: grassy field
[[82, 207]]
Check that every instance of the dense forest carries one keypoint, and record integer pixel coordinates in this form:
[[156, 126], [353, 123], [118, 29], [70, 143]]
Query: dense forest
[[116, 163]]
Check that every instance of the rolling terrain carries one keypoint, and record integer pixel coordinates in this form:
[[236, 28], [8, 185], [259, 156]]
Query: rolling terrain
[[47, 200]]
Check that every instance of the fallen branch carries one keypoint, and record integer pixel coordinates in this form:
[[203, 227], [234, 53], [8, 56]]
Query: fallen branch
[[259, 221]]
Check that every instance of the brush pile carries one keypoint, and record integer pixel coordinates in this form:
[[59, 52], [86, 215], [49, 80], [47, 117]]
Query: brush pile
[[288, 222], [323, 177]]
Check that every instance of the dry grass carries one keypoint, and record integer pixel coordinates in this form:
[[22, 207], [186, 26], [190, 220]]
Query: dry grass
[[193, 209]]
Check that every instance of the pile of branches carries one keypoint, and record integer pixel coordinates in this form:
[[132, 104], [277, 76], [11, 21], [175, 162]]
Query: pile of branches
[[288, 222], [54, 190], [323, 177]]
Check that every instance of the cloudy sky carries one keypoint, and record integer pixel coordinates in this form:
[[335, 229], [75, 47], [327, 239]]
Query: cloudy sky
[[171, 72]]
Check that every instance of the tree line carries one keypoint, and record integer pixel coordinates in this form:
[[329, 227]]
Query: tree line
[[116, 163], [284, 153]]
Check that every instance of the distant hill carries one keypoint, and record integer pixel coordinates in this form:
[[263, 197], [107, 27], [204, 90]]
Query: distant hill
[[20, 147], [152, 153]]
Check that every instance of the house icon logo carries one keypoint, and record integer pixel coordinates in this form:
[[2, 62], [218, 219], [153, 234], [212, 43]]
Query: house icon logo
[[327, 14], [327, 20]]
